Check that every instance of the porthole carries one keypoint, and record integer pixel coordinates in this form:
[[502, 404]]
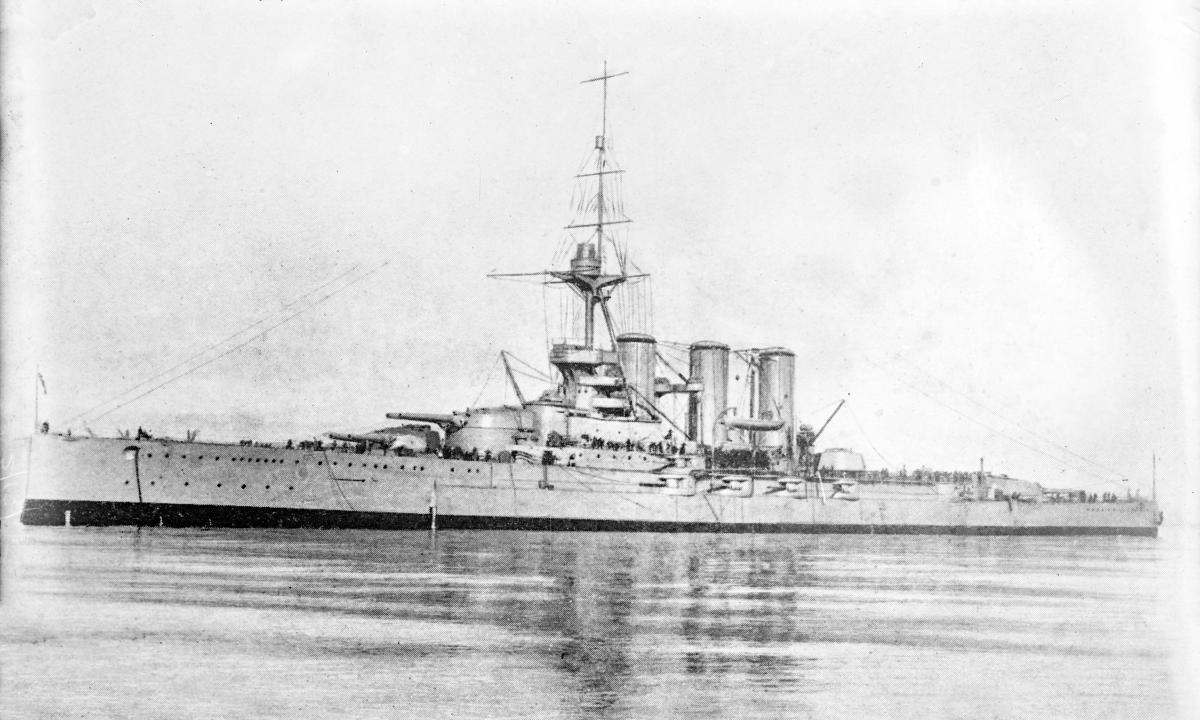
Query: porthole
[[376, 465], [185, 457], [335, 462], [126, 482], [266, 487]]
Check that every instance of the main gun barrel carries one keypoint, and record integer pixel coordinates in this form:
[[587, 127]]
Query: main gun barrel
[[444, 420], [369, 438]]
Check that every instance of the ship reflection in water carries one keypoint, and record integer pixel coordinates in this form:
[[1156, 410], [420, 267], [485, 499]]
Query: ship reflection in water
[[121, 622]]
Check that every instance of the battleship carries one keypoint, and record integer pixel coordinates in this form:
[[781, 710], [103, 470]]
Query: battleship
[[594, 451]]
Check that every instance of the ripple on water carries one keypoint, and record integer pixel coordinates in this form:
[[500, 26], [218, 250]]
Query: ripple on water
[[480, 624]]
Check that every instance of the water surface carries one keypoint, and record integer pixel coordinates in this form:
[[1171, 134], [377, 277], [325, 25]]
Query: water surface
[[120, 622]]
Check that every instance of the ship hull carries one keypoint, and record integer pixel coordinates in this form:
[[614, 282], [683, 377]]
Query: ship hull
[[107, 481], [78, 513]]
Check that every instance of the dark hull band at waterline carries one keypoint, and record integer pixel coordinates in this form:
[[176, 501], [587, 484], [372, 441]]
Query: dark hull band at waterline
[[54, 512]]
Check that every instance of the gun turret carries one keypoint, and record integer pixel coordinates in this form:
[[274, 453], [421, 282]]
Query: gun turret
[[414, 438]]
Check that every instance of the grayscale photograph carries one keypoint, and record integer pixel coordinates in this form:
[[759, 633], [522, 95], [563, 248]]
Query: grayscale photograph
[[573, 360]]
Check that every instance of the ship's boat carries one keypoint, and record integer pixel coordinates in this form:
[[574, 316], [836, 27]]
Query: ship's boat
[[597, 450]]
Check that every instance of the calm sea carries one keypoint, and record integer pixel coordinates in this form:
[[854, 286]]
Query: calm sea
[[267, 623]]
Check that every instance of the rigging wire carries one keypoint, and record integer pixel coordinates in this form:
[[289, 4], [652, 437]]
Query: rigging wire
[[488, 380], [1058, 460], [671, 367], [1016, 424], [210, 348], [546, 326], [861, 429], [239, 346], [675, 345], [531, 368], [650, 304], [822, 409], [529, 375]]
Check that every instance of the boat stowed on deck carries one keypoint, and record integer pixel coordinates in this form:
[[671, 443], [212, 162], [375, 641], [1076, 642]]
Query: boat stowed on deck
[[107, 481]]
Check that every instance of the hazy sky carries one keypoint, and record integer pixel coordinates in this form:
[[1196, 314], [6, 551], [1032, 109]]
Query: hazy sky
[[977, 225]]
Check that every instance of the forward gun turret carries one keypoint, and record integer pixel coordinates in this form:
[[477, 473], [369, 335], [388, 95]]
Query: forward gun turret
[[416, 438]]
